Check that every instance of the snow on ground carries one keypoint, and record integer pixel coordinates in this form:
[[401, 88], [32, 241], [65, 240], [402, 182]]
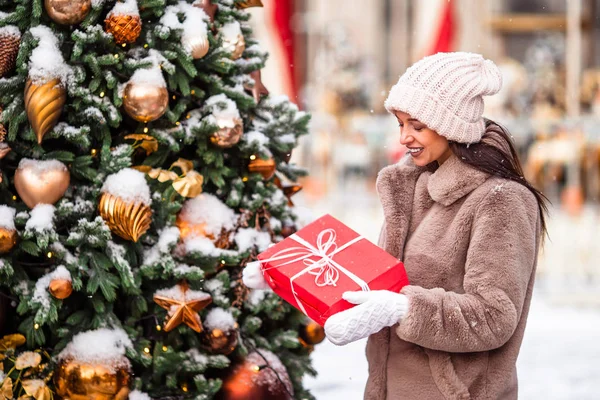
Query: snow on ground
[[560, 356]]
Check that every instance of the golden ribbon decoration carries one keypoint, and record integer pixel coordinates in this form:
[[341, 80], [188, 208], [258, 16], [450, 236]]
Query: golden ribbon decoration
[[148, 143], [12, 341], [188, 184], [37, 389]]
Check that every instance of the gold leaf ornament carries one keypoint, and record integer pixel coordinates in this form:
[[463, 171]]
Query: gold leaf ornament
[[44, 104], [37, 389], [12, 341], [28, 359], [6, 390], [146, 142]]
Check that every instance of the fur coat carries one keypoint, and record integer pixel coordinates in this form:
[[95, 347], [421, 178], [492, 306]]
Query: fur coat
[[469, 243]]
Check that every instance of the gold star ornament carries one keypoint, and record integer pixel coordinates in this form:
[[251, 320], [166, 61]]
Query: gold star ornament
[[182, 305]]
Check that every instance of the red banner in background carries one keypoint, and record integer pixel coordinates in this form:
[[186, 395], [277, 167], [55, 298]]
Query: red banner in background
[[282, 13], [446, 30]]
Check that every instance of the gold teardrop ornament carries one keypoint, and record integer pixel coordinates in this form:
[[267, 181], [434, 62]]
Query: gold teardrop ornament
[[126, 219], [44, 104]]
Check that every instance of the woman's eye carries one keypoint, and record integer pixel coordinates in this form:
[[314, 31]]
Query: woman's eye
[[418, 128], [400, 124]]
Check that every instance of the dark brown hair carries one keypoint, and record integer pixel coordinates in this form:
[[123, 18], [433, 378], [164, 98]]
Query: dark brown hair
[[496, 155]]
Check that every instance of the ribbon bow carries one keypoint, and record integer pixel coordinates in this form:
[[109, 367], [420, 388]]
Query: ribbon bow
[[324, 268], [188, 184]]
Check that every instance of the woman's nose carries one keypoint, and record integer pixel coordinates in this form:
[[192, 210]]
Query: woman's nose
[[404, 137]]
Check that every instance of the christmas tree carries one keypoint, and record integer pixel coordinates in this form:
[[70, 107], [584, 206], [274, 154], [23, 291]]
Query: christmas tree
[[143, 166]]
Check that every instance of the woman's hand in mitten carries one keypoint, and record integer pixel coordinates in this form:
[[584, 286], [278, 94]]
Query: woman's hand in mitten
[[375, 310], [252, 276]]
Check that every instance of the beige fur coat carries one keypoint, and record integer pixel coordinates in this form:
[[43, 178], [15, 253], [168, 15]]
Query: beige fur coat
[[469, 243]]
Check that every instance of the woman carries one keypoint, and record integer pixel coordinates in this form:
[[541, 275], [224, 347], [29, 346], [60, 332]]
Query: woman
[[467, 225]]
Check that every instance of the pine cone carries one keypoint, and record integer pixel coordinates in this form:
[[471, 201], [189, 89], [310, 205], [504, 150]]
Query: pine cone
[[124, 28], [9, 48], [2, 129]]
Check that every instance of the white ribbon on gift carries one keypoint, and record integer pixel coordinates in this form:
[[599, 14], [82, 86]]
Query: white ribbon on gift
[[326, 270]]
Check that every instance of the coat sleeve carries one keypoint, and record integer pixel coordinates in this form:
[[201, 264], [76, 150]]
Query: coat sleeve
[[499, 264]]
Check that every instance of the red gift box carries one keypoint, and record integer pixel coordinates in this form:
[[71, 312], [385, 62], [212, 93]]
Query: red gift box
[[314, 267]]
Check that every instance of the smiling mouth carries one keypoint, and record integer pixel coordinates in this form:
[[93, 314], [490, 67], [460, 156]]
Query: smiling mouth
[[415, 151]]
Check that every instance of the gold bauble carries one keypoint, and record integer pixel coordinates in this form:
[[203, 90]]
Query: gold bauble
[[229, 134], [217, 341], [253, 379], [124, 28], [145, 102], [78, 380], [37, 185], [60, 288], [68, 12], [197, 45], [126, 219], [8, 239], [189, 230], [235, 45], [44, 104], [312, 333], [264, 167]]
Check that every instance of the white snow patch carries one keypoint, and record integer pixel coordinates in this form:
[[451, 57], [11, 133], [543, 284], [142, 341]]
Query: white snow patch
[[218, 318], [128, 184], [41, 218], [46, 62], [208, 209], [127, 7], [7, 217], [101, 346]]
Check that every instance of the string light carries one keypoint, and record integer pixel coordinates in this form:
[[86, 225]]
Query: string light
[[146, 129], [36, 326], [184, 387], [256, 368], [49, 254], [101, 94], [177, 123], [188, 116], [146, 46], [165, 348], [14, 197], [245, 179], [116, 56], [253, 157], [174, 97], [193, 92], [94, 152], [146, 350], [158, 328], [124, 44], [222, 262]]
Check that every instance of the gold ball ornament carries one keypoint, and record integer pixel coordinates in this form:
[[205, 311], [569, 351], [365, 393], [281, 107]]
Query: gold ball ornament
[[129, 220], [78, 380], [229, 134], [312, 333], [124, 28], [41, 182], [10, 42], [264, 167], [60, 288], [8, 240], [255, 378], [145, 102], [233, 39], [197, 46], [44, 104], [217, 341], [68, 12]]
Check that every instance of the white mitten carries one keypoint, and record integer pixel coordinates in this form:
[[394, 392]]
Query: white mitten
[[252, 276], [376, 310]]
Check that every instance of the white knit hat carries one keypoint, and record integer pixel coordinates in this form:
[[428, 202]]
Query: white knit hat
[[444, 91]]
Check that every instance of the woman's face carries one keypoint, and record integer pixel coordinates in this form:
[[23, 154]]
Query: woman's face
[[424, 144]]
